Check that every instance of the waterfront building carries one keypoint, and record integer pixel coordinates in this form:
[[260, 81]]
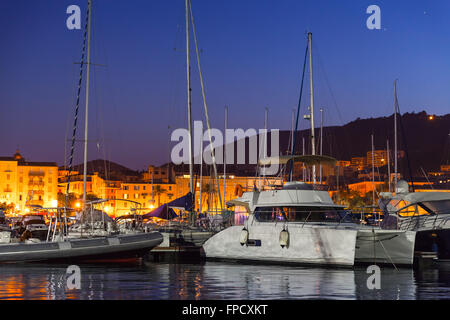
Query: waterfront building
[[25, 183]]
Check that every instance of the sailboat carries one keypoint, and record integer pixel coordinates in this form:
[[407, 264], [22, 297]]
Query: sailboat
[[58, 246], [426, 213], [299, 223]]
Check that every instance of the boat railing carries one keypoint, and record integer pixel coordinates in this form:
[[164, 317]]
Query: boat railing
[[415, 222]]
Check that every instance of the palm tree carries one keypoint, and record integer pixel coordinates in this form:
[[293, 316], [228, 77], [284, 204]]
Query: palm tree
[[158, 191]]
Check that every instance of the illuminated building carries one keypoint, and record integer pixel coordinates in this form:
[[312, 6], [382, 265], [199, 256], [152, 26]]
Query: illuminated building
[[27, 183]]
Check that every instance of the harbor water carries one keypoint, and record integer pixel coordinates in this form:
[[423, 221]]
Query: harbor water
[[218, 280]]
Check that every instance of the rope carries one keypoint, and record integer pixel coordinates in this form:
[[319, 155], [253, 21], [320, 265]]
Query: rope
[[387, 254]]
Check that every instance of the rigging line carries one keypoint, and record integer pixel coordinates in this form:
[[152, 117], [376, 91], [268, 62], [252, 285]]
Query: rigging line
[[205, 106], [76, 110], [298, 113]]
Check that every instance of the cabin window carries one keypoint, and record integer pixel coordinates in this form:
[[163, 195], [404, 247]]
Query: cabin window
[[413, 210], [301, 214], [436, 207]]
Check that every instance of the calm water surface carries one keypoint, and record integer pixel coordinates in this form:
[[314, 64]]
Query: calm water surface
[[215, 280]]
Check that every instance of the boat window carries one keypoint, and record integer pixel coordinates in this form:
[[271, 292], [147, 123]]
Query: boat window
[[398, 204], [413, 210], [301, 214], [437, 207]]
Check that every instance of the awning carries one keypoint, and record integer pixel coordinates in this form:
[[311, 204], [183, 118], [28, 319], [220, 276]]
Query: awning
[[183, 203], [162, 212]]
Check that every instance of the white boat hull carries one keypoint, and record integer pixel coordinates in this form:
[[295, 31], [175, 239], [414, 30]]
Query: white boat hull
[[307, 245], [385, 246]]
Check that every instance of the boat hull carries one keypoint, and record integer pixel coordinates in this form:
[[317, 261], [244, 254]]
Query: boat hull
[[385, 246], [307, 245], [435, 240], [79, 250]]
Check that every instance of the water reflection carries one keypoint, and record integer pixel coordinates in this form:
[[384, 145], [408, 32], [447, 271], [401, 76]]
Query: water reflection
[[214, 280]]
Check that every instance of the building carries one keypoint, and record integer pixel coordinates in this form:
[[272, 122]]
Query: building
[[234, 186], [162, 174], [366, 186], [358, 162], [25, 183], [380, 158]]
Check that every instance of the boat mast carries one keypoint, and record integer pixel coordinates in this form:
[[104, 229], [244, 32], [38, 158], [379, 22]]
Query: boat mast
[[373, 174], [201, 171], [389, 164], [321, 140], [395, 135], [266, 116], [225, 153], [88, 67], [188, 73], [313, 144]]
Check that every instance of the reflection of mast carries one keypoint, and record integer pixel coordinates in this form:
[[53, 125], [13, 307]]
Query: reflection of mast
[[88, 66]]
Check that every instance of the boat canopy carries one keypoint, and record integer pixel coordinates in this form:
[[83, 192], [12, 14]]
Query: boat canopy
[[162, 212], [183, 203]]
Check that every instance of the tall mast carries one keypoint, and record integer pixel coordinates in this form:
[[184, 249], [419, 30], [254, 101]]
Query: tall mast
[[88, 67], [225, 153], [188, 73], [373, 173], [311, 90], [389, 164], [201, 171], [266, 116], [321, 140], [304, 168], [395, 135]]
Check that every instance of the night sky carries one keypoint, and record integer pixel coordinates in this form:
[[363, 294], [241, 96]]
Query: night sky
[[252, 56]]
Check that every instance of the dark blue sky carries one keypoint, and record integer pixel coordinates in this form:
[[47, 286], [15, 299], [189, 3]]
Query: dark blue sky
[[252, 54]]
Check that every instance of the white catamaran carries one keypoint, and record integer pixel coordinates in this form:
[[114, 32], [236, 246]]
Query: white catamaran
[[298, 223]]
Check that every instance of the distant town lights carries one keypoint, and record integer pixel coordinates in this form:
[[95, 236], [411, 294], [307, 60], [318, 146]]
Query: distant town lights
[[431, 117]]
